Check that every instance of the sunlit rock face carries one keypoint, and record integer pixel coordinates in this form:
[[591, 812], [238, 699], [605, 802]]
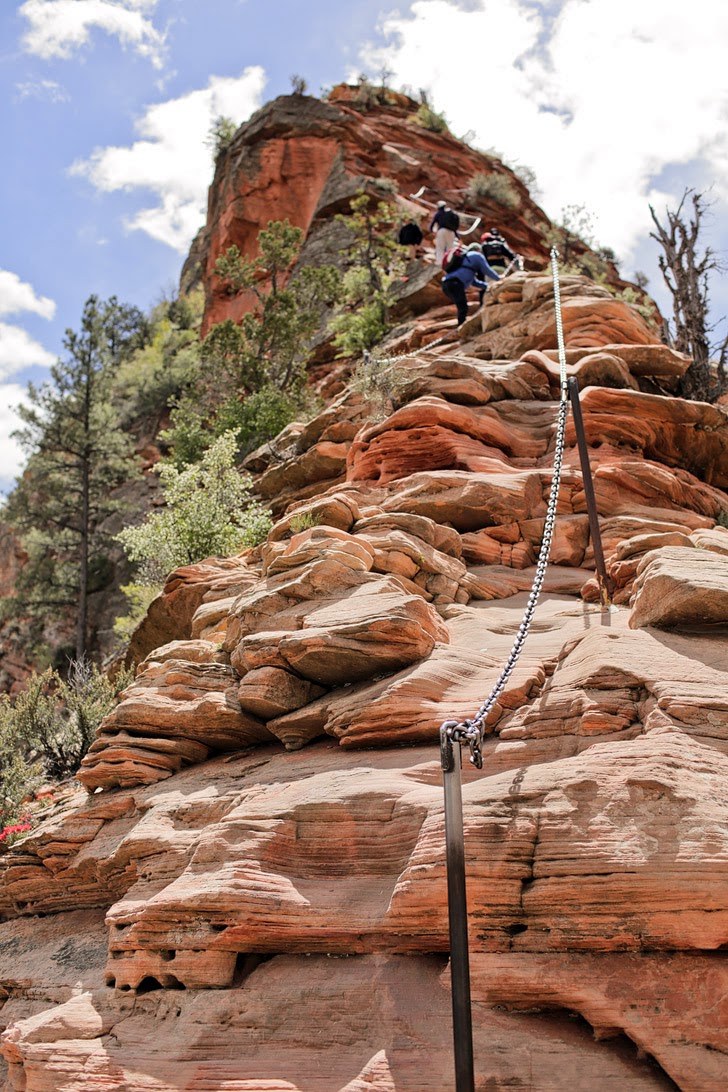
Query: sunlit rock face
[[302, 159], [247, 889]]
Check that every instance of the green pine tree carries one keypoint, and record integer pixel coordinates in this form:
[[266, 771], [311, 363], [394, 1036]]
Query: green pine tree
[[78, 455]]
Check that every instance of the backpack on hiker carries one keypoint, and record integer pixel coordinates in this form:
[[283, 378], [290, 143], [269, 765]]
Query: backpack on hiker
[[410, 234], [450, 220], [494, 247], [453, 258]]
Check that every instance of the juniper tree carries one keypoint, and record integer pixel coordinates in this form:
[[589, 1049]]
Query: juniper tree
[[376, 264], [78, 455], [264, 355], [274, 336]]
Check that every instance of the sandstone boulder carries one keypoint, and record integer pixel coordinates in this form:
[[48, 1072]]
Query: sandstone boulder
[[679, 586], [170, 616], [518, 316], [175, 713]]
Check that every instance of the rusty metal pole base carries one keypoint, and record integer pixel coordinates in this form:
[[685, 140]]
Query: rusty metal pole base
[[451, 760]]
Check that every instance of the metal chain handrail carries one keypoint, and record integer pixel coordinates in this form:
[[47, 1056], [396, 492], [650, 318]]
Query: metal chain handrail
[[471, 731], [369, 359]]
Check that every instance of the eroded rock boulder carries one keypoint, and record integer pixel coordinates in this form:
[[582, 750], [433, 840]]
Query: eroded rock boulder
[[680, 586]]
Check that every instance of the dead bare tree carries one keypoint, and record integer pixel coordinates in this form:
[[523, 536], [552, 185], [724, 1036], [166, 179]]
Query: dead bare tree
[[686, 267]]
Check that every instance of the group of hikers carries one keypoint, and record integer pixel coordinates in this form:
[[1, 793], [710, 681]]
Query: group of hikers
[[464, 266]]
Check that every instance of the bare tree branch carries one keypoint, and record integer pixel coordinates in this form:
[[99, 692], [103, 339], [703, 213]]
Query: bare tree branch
[[686, 272]]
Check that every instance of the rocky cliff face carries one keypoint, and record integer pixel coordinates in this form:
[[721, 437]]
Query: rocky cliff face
[[303, 160], [248, 890]]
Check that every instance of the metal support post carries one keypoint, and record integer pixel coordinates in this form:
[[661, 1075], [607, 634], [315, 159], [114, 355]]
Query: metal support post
[[605, 584], [451, 761]]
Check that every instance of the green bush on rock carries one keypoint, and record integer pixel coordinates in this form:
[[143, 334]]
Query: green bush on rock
[[47, 729], [209, 511]]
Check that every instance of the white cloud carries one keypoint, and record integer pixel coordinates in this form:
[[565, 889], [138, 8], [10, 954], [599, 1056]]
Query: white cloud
[[599, 98], [60, 27], [19, 350], [173, 157], [41, 89], [17, 295], [12, 458]]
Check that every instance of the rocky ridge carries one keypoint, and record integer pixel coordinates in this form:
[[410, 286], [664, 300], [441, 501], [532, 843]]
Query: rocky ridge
[[256, 873]]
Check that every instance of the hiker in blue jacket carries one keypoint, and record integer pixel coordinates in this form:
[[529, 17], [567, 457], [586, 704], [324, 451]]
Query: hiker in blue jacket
[[471, 273]]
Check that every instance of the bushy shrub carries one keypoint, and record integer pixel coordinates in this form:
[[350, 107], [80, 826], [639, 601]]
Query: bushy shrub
[[386, 186], [430, 119], [361, 329], [642, 304], [221, 134], [260, 417], [381, 385], [47, 729], [190, 433], [210, 510], [303, 522], [254, 420], [494, 187]]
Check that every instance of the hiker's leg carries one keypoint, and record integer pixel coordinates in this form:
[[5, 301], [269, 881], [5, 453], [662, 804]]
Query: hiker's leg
[[462, 302], [455, 290], [443, 241]]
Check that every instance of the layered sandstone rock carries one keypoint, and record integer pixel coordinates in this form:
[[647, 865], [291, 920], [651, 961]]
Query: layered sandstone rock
[[252, 893], [215, 869], [680, 586], [519, 315], [302, 159], [388, 1020]]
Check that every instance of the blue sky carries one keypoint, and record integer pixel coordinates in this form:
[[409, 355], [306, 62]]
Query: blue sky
[[107, 104]]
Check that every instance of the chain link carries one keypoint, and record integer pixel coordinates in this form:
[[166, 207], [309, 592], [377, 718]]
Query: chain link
[[472, 731], [370, 360]]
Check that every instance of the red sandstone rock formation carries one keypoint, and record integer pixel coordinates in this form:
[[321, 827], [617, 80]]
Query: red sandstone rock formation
[[302, 160], [252, 895]]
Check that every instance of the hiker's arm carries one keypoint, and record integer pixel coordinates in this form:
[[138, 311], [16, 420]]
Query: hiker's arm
[[488, 271]]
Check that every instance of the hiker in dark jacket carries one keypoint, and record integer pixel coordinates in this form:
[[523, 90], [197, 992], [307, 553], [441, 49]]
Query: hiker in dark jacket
[[410, 235], [495, 248], [445, 223], [471, 273]]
